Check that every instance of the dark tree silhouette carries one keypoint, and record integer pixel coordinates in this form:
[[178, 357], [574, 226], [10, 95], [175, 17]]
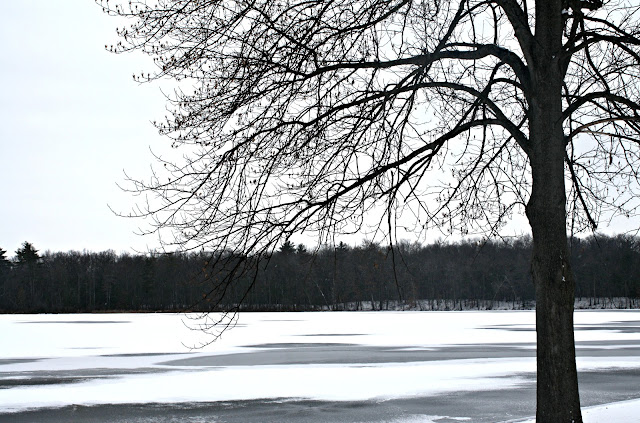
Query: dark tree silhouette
[[287, 247], [4, 260], [310, 115], [27, 254], [28, 268], [5, 265]]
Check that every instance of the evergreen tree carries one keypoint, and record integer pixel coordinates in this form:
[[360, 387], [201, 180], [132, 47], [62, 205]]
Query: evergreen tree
[[4, 261], [29, 278], [5, 265], [288, 247], [27, 254]]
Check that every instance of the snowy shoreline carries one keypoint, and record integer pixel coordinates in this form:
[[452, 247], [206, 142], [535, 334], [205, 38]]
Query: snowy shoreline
[[604, 303]]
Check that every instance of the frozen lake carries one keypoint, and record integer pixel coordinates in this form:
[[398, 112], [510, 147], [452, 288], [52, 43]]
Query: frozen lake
[[302, 367]]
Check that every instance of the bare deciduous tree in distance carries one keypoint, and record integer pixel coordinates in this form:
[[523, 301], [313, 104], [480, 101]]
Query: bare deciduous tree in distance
[[308, 115]]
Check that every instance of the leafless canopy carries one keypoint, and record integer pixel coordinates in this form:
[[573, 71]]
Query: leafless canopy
[[309, 115]]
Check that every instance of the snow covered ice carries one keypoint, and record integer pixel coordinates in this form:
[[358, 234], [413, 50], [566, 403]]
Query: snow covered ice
[[380, 358]]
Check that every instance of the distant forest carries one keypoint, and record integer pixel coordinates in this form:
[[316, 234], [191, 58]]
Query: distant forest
[[460, 275]]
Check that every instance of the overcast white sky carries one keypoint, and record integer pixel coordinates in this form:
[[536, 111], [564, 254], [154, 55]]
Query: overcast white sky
[[71, 121]]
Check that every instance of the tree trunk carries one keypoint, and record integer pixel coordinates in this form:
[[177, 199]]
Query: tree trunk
[[558, 399], [557, 388]]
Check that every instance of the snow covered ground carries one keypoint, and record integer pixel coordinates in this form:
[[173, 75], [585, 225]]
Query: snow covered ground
[[619, 412], [53, 361]]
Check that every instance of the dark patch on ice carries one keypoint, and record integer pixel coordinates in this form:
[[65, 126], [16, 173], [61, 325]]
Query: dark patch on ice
[[284, 410], [610, 346], [512, 327], [82, 322], [609, 385], [628, 326], [355, 354], [7, 361], [302, 354], [38, 381], [620, 327], [50, 377]]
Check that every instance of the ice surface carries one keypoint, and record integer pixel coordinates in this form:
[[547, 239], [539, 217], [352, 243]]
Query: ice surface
[[122, 358], [618, 412]]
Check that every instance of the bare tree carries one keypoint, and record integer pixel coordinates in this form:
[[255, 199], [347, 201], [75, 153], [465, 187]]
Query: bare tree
[[310, 115]]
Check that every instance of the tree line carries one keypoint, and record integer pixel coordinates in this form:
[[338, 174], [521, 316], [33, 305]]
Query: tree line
[[464, 274]]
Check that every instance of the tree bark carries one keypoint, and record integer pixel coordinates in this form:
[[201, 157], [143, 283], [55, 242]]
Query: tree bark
[[557, 388], [558, 399]]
